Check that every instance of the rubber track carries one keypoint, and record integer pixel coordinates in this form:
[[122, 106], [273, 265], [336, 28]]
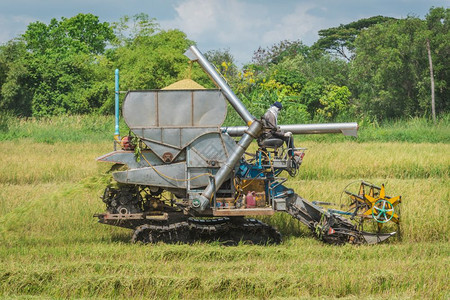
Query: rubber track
[[223, 230]]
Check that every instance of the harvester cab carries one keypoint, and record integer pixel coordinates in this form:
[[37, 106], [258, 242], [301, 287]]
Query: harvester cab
[[184, 178]]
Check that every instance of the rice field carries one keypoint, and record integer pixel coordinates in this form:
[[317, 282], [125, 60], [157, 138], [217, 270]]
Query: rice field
[[52, 247]]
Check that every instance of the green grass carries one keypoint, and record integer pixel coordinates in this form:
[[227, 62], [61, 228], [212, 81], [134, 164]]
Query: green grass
[[413, 130], [74, 129], [52, 247], [92, 128]]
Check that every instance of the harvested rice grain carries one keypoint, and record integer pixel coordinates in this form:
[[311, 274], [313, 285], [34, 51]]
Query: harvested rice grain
[[185, 84]]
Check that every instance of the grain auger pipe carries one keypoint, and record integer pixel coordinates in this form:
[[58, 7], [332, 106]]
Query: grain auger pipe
[[251, 133], [349, 129]]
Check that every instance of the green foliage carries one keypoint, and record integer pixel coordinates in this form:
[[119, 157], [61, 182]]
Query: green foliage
[[311, 95], [438, 33], [65, 67], [61, 70], [224, 62], [129, 29], [278, 52], [73, 85], [81, 33], [295, 80], [289, 73], [152, 62], [333, 70], [390, 73], [15, 94], [334, 100], [340, 40]]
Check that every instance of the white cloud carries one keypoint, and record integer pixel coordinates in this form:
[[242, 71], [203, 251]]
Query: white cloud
[[224, 20], [296, 25], [13, 26], [197, 16], [243, 26]]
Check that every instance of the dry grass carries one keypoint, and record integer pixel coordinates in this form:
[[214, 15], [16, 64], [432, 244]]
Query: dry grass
[[300, 268], [23, 162], [374, 160], [50, 246]]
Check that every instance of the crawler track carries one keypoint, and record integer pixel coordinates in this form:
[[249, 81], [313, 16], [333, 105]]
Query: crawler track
[[224, 230]]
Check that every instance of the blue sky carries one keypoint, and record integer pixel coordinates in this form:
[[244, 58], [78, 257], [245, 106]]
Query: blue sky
[[240, 25]]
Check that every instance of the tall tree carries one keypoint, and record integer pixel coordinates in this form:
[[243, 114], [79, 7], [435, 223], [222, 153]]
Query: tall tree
[[62, 58], [278, 51], [433, 107], [15, 89], [224, 61], [150, 58], [154, 62], [390, 72], [129, 29], [81, 33], [438, 35], [340, 40]]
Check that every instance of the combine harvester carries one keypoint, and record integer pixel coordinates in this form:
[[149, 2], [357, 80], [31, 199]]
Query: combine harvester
[[189, 180]]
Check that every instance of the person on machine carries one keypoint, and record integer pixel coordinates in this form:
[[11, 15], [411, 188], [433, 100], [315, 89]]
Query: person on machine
[[270, 122]]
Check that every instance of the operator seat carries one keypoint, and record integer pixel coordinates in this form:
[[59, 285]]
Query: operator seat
[[272, 143]]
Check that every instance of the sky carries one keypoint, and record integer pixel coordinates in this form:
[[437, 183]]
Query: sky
[[242, 26]]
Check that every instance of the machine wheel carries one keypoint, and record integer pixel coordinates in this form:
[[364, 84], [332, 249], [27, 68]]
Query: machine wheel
[[383, 211]]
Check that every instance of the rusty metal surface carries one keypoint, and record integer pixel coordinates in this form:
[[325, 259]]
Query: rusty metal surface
[[141, 216], [243, 212]]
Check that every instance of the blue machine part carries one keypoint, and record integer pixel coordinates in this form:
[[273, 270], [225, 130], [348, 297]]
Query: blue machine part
[[340, 212], [273, 187], [247, 170], [278, 190]]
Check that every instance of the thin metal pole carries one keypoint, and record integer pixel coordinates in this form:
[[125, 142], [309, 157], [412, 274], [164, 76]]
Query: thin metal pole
[[116, 131]]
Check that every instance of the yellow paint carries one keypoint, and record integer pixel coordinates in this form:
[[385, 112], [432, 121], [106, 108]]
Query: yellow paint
[[370, 200], [117, 139]]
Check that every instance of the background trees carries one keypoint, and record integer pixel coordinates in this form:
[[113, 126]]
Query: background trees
[[56, 68], [438, 33], [390, 72], [63, 64], [340, 40], [375, 68], [15, 91]]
